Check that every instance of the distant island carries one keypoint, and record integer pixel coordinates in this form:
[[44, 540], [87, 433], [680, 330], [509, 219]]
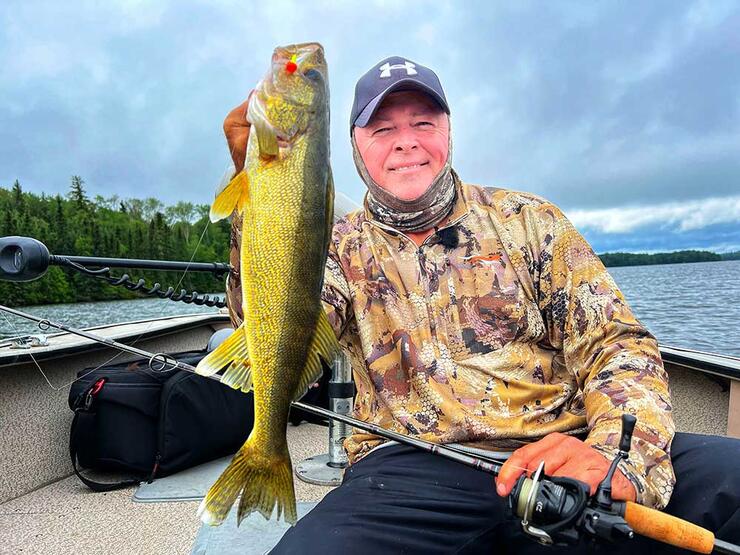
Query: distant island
[[76, 224], [611, 259]]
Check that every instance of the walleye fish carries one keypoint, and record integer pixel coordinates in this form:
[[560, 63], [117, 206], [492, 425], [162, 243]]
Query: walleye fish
[[285, 196]]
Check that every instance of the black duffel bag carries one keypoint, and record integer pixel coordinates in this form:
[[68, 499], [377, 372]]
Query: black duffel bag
[[132, 419]]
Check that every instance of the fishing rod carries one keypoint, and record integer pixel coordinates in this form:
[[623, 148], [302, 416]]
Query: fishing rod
[[26, 259], [553, 510]]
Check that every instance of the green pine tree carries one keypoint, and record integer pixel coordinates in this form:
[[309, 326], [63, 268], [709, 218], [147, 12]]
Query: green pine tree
[[77, 193]]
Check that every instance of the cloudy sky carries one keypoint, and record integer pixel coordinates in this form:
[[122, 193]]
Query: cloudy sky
[[626, 114]]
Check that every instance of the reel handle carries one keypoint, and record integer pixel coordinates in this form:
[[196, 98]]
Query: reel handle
[[628, 426]]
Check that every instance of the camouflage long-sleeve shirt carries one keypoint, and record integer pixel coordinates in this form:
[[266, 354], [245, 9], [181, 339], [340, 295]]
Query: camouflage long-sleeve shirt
[[517, 332]]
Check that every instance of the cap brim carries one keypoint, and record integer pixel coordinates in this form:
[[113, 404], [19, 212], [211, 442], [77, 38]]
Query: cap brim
[[403, 84]]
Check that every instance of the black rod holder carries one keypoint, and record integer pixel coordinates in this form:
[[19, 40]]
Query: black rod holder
[[218, 268], [27, 259]]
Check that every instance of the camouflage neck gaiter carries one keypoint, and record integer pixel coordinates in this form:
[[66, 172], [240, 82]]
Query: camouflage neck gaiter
[[415, 215]]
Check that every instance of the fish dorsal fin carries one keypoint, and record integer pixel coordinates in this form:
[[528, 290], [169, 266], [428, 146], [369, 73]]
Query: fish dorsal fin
[[266, 139], [323, 345], [232, 197], [232, 352]]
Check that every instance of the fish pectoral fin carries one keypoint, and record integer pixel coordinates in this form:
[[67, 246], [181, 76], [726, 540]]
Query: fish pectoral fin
[[266, 139], [324, 345], [232, 197], [232, 353]]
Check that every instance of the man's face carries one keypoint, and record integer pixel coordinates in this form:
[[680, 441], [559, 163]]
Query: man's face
[[405, 144]]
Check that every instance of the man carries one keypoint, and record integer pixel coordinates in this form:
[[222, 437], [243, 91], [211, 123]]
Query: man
[[479, 317]]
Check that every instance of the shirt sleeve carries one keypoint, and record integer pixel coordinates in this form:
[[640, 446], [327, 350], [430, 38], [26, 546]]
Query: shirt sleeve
[[613, 357], [335, 294]]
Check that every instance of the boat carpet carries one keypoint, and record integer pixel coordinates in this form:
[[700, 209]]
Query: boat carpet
[[255, 535], [187, 485]]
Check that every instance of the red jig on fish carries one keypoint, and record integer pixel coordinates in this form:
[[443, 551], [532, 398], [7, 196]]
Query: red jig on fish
[[291, 66]]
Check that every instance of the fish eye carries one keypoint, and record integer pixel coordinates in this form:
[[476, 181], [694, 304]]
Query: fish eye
[[313, 74]]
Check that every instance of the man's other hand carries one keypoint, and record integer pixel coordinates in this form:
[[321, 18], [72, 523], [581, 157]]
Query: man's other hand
[[566, 456], [236, 129]]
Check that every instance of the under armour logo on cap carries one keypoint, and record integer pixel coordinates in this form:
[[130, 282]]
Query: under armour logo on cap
[[390, 75], [385, 69]]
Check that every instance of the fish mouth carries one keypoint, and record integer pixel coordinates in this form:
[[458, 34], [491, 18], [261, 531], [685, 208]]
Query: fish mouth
[[289, 95], [308, 56], [303, 50]]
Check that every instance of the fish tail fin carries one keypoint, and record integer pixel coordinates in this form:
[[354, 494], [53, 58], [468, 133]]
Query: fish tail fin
[[323, 345], [232, 352], [263, 483], [267, 487], [232, 197]]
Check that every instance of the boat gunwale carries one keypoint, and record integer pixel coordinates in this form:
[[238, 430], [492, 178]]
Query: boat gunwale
[[716, 364], [15, 357]]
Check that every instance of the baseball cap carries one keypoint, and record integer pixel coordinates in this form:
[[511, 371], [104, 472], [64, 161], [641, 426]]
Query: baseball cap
[[390, 75]]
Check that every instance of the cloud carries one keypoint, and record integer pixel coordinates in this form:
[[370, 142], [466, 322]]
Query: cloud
[[683, 216], [656, 238], [610, 111], [594, 106]]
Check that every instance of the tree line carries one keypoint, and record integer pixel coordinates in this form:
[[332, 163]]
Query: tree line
[[76, 224], [678, 257], [145, 228]]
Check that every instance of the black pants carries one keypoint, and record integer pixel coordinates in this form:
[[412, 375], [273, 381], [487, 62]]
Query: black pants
[[401, 500]]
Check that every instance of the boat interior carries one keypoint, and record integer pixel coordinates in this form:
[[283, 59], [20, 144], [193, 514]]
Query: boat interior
[[46, 509]]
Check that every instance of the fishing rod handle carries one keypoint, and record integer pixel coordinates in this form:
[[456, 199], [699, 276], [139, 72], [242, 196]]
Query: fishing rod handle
[[667, 528]]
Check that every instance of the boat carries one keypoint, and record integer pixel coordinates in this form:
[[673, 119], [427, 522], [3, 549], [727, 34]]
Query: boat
[[46, 509]]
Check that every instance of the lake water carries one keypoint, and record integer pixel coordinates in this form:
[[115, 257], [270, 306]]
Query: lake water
[[84, 315], [684, 305], [687, 305]]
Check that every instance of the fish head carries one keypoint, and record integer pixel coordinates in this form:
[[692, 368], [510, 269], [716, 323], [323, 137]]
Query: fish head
[[294, 93]]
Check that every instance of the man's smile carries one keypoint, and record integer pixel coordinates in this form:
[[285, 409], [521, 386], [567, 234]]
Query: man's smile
[[408, 167]]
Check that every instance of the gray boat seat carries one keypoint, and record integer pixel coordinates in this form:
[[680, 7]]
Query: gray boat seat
[[218, 337]]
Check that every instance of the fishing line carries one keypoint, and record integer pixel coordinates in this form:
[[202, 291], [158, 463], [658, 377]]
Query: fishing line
[[34, 359], [136, 339], [119, 353], [46, 378]]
